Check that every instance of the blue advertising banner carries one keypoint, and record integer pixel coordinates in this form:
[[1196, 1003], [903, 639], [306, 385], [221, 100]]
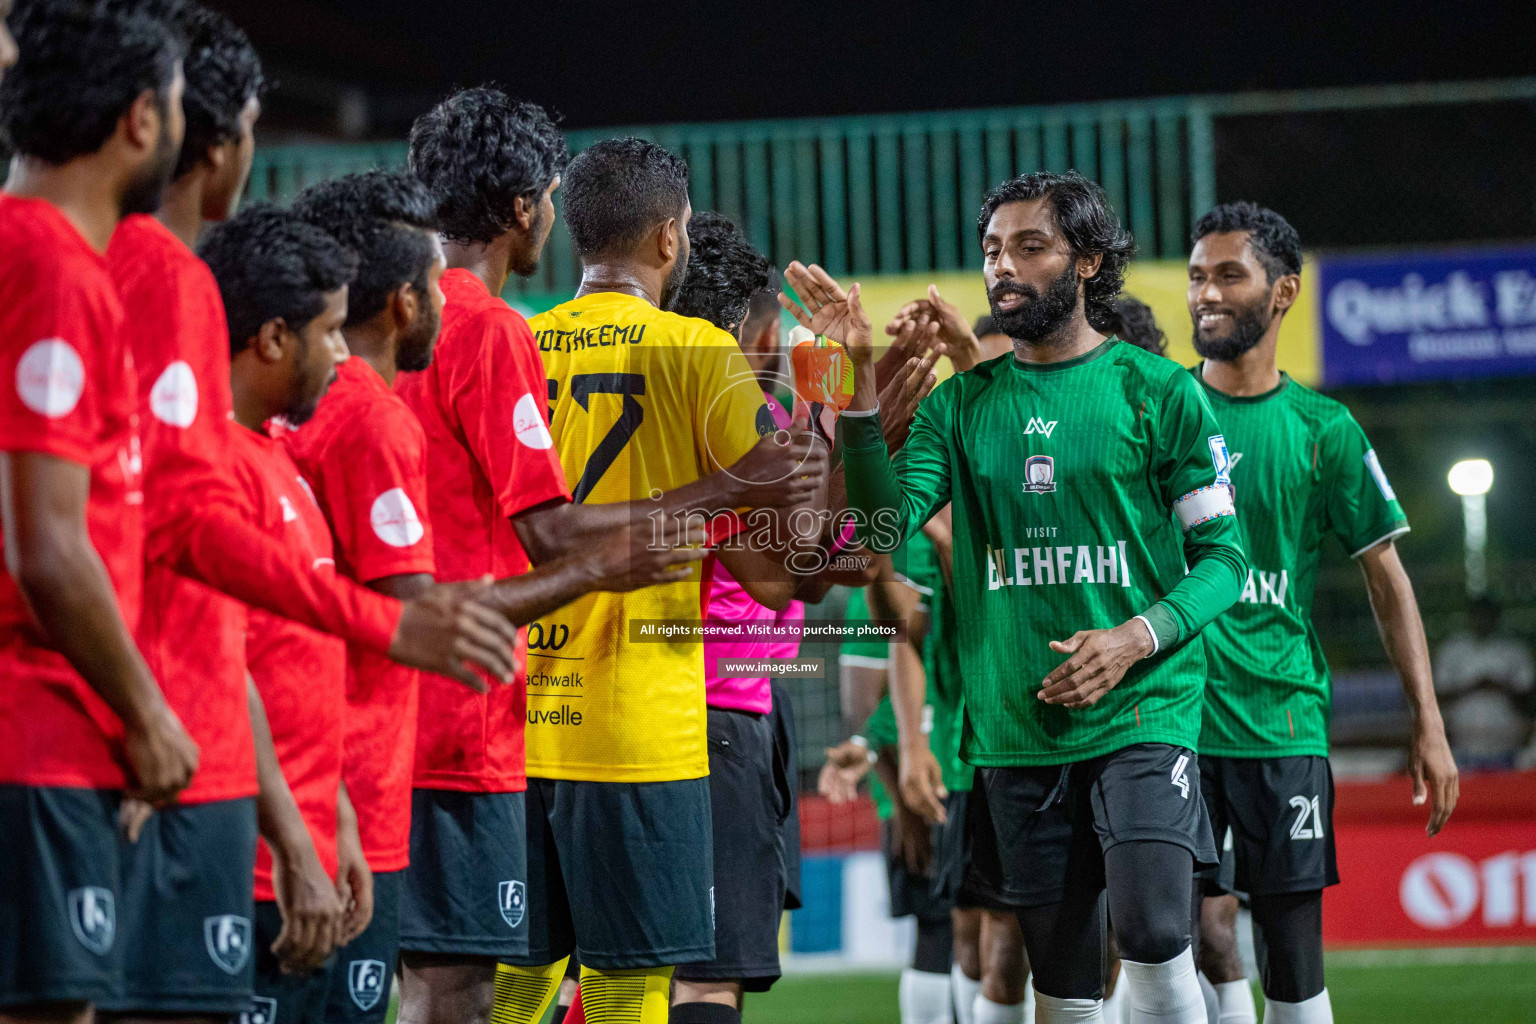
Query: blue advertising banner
[[1412, 316]]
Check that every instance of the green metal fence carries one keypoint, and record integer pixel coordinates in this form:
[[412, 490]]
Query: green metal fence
[[890, 194], [899, 193]]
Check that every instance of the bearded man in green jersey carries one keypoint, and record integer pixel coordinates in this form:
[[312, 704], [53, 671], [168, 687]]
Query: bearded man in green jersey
[[1086, 475], [1302, 469]]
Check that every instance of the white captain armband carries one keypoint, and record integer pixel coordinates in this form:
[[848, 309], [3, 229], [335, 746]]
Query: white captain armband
[[1202, 505]]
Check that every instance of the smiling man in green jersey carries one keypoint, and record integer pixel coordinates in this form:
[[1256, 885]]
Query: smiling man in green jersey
[[1302, 470], [1094, 536]]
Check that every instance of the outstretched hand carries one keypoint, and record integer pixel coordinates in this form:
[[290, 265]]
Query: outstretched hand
[[783, 470], [829, 310], [445, 630], [952, 334]]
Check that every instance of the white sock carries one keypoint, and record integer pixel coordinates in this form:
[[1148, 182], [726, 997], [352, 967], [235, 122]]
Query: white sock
[[1051, 1010], [988, 1012], [1165, 993], [1212, 999], [924, 998], [966, 992], [1029, 1002], [1234, 1000], [1114, 1003], [1317, 1010]]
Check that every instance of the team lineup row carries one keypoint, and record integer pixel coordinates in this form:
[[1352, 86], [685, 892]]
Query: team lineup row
[[279, 494]]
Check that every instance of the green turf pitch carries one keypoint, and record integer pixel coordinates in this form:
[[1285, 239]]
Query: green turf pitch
[[1363, 993]]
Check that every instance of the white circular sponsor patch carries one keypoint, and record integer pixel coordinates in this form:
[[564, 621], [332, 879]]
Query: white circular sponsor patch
[[50, 378], [173, 399], [394, 519], [528, 422]]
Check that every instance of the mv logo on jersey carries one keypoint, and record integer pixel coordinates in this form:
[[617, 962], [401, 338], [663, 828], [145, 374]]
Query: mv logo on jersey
[[365, 981], [1037, 425], [512, 899], [228, 939], [93, 917]]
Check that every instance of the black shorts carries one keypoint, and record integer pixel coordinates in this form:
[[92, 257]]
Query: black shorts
[[748, 804], [60, 889], [359, 986], [284, 998], [1050, 825], [1280, 810], [185, 921], [912, 894], [954, 881], [787, 764], [465, 891], [621, 873]]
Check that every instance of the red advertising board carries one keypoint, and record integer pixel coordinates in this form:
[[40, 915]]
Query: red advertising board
[[1474, 883]]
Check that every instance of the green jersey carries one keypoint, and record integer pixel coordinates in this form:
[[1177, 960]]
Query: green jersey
[[867, 653], [1085, 492], [1301, 470]]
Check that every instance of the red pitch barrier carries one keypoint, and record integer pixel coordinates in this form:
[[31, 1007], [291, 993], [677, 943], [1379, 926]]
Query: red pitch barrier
[[1475, 883]]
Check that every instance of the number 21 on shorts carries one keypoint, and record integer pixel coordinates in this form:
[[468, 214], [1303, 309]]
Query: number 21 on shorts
[[1306, 810]]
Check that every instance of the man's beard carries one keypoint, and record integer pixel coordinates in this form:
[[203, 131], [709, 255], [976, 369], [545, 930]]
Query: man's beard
[[1248, 327], [1041, 315], [526, 264], [144, 192], [674, 281], [304, 397], [414, 352]]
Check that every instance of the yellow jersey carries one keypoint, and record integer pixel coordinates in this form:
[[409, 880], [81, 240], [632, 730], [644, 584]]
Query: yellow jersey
[[641, 401]]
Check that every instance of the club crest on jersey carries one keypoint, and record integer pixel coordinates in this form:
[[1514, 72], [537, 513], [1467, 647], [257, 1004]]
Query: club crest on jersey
[[263, 1011], [1039, 474], [228, 939], [512, 898], [365, 981], [1037, 425], [93, 916]]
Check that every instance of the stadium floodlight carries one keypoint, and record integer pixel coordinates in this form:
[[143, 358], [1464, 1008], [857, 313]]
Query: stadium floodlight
[[1473, 479]]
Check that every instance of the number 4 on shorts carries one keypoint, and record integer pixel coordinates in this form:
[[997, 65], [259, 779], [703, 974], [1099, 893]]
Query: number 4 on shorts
[[1304, 809], [1181, 779]]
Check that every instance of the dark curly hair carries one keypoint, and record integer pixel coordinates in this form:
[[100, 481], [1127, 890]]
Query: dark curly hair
[[1135, 323], [1084, 216], [1275, 243], [223, 74], [271, 263], [618, 190], [386, 218], [478, 151], [80, 69], [724, 272]]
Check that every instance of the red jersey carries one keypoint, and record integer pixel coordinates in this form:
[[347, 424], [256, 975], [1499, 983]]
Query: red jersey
[[68, 390], [365, 456], [192, 637], [301, 674], [490, 456]]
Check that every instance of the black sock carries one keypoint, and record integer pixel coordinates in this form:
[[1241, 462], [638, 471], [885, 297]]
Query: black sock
[[560, 1012], [704, 1013]]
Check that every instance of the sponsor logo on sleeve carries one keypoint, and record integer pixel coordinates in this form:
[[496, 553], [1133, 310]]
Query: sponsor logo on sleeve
[[1379, 475], [173, 399], [394, 519], [528, 423], [228, 939], [50, 378], [1221, 459]]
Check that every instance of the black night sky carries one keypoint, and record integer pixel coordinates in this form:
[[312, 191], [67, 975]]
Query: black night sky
[[613, 64]]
